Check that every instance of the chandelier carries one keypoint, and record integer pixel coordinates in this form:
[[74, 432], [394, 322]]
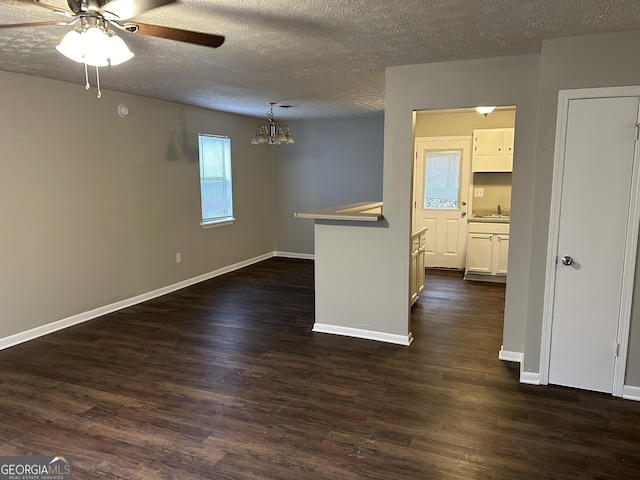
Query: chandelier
[[273, 133], [92, 43]]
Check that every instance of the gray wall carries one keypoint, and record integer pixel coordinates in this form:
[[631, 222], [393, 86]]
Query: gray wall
[[532, 83], [94, 207], [580, 62], [447, 85], [333, 162]]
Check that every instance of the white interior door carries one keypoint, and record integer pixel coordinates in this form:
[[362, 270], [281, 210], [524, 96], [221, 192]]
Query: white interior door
[[441, 193], [592, 241]]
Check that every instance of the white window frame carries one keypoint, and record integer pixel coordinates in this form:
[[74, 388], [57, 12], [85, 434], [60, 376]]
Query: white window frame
[[216, 221]]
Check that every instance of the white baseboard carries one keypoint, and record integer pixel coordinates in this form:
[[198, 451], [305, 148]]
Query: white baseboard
[[508, 356], [530, 378], [629, 392], [302, 256], [36, 332], [365, 334]]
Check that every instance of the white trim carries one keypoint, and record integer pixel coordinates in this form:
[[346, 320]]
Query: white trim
[[366, 334], [33, 333], [530, 378], [628, 273], [508, 356], [218, 223], [630, 392], [554, 229], [302, 256]]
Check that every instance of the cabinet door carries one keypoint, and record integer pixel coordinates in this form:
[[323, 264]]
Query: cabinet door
[[508, 141], [480, 253], [421, 263], [501, 254], [413, 283], [493, 150], [488, 142], [493, 163]]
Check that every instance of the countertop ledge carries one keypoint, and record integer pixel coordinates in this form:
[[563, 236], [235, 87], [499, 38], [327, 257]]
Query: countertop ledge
[[358, 212], [504, 219]]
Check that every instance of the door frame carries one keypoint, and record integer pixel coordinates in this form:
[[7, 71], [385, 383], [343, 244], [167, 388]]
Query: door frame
[[631, 246]]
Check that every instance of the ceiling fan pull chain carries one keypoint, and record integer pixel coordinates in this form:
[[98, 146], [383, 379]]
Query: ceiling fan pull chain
[[86, 78], [98, 83]]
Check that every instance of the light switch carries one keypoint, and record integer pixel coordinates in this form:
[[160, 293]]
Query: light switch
[[478, 192]]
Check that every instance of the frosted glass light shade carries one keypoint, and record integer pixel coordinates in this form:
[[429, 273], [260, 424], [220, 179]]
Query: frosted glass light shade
[[71, 46], [485, 110], [118, 50], [95, 47], [281, 137]]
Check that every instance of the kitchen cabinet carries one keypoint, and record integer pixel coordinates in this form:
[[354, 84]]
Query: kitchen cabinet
[[493, 150], [416, 270], [488, 249]]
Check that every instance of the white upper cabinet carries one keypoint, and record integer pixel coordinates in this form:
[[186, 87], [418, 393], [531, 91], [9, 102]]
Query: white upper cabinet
[[493, 150]]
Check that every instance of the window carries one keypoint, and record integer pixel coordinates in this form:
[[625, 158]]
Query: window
[[215, 179], [442, 179]]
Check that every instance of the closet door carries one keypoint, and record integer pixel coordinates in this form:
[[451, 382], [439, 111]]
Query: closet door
[[592, 241]]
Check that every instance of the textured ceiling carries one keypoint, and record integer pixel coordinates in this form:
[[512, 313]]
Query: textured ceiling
[[325, 57]]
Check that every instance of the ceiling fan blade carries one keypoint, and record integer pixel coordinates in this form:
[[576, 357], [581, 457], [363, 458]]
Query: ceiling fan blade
[[37, 3], [198, 38], [33, 24], [124, 9]]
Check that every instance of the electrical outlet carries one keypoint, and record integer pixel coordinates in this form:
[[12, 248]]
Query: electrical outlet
[[478, 192], [178, 257]]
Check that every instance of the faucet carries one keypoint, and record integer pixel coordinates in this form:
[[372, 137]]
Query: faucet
[[499, 210]]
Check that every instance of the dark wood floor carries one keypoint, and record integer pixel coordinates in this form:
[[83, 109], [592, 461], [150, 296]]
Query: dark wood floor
[[225, 380]]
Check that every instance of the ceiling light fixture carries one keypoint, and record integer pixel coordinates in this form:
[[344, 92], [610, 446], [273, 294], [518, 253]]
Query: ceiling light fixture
[[92, 43], [485, 110], [273, 133]]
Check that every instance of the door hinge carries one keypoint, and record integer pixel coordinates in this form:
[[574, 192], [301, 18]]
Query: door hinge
[[616, 350], [637, 131]]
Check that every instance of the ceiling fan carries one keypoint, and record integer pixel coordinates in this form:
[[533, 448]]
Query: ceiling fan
[[94, 41]]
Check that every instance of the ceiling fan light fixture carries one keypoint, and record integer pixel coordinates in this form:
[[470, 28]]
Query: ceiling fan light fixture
[[95, 46]]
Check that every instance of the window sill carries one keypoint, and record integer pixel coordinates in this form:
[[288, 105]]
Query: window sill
[[217, 223]]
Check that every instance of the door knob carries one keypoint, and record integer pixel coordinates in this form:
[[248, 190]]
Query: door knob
[[566, 260], [463, 214]]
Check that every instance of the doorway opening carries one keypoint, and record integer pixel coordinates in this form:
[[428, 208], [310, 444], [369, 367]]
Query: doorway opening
[[462, 189]]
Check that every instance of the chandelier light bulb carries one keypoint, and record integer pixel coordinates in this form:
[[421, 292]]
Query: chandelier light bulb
[[485, 110]]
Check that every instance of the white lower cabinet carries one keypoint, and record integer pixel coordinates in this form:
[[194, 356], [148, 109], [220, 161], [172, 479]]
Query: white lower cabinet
[[488, 248], [416, 271]]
